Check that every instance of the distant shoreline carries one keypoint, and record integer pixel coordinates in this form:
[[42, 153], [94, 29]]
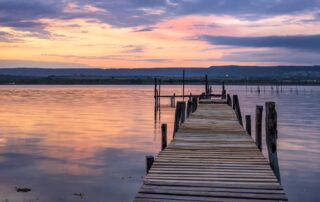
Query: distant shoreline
[[90, 80]]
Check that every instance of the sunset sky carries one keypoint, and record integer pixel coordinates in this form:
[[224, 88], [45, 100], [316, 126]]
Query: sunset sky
[[158, 33]]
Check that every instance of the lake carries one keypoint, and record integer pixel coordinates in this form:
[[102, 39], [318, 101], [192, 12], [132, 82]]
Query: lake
[[88, 143]]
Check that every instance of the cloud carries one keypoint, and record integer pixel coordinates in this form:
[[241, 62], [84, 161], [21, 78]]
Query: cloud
[[25, 15], [133, 49], [271, 56], [30, 63], [301, 42], [249, 9], [7, 37], [145, 29]]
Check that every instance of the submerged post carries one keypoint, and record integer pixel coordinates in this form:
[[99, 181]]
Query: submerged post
[[248, 124], [259, 110], [149, 162], [271, 137], [236, 107], [163, 136]]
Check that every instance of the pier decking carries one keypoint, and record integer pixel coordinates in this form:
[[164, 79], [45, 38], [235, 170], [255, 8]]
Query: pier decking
[[211, 158]]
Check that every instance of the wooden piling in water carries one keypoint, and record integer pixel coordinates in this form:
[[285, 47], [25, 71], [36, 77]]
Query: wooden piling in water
[[207, 85], [271, 137], [223, 93], [259, 110], [248, 124], [149, 162], [173, 100], [189, 107], [229, 102], [179, 115], [163, 136], [236, 107]]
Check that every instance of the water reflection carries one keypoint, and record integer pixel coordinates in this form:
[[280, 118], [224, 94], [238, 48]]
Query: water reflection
[[60, 140]]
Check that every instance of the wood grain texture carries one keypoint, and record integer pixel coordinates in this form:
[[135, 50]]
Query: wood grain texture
[[211, 158]]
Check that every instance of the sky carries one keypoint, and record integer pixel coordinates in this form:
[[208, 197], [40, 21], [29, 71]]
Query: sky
[[158, 33]]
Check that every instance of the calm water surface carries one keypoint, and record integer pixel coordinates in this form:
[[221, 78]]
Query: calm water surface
[[62, 140]]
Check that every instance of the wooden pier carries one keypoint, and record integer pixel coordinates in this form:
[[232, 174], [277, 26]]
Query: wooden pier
[[213, 158]]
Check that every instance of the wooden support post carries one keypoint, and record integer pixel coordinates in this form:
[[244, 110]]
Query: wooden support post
[[163, 136], [159, 92], [229, 102], [194, 104], [223, 93], [155, 93], [233, 103], [259, 110], [248, 124], [271, 137], [149, 162], [178, 116], [183, 112], [183, 78], [207, 86], [189, 107], [236, 106]]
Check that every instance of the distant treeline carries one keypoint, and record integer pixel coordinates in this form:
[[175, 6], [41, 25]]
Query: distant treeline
[[144, 80]]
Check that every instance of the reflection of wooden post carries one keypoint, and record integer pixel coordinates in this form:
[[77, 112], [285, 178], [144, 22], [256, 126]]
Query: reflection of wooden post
[[237, 108], [229, 100], [248, 124], [271, 137], [259, 110], [155, 92], [149, 162], [159, 96], [163, 136]]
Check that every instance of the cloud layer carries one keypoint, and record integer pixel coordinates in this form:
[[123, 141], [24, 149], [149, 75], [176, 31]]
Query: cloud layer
[[164, 32], [302, 42]]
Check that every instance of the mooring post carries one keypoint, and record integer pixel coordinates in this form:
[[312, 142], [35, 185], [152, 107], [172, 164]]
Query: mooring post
[[223, 93], [183, 112], [207, 87], [163, 136], [248, 124], [149, 162], [237, 108], [155, 92], [183, 78], [189, 107], [229, 100], [233, 103], [159, 96], [259, 110], [178, 116], [194, 104], [271, 137]]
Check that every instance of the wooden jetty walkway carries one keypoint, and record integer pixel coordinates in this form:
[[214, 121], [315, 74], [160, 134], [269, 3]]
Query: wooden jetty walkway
[[210, 158]]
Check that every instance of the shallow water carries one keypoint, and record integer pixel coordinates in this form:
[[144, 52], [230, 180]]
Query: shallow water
[[62, 140]]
